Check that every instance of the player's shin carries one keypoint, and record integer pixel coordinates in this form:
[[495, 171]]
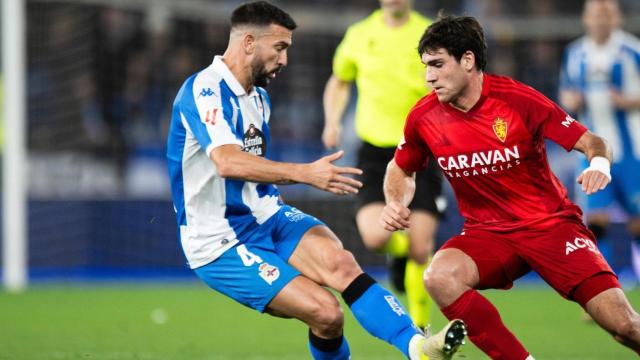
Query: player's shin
[[379, 312], [328, 349], [484, 327]]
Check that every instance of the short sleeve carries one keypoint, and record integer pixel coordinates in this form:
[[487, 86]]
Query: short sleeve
[[412, 154], [211, 115], [561, 128], [545, 117], [344, 60]]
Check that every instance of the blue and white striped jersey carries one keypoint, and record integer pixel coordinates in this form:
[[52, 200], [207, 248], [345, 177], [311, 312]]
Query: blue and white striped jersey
[[595, 70], [212, 109]]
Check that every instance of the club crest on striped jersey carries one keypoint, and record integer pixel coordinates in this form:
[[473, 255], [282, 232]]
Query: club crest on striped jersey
[[500, 128]]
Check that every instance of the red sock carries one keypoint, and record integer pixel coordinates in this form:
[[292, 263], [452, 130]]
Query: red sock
[[485, 327]]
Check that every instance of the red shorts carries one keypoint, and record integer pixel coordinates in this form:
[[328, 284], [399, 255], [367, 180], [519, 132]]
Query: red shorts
[[562, 251]]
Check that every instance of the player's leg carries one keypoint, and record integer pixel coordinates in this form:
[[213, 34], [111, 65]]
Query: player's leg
[[373, 161], [422, 239], [604, 300], [315, 251], [373, 235], [469, 262], [566, 256], [257, 277], [426, 209], [305, 300], [321, 257]]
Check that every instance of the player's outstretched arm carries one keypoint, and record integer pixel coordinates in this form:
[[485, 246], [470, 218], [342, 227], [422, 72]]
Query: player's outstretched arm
[[234, 163], [598, 175], [334, 100], [399, 188]]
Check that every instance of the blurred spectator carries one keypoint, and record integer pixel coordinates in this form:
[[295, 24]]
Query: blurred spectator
[[600, 82], [540, 70], [99, 77]]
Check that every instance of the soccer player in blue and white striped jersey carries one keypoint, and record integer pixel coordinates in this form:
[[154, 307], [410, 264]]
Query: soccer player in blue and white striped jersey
[[237, 235], [600, 82]]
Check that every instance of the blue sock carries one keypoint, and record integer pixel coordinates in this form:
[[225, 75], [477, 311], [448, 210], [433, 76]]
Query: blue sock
[[379, 312], [329, 349]]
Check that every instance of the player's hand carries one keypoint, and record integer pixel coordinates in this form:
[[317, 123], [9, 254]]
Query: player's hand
[[395, 216], [596, 177], [331, 136], [326, 176], [622, 102]]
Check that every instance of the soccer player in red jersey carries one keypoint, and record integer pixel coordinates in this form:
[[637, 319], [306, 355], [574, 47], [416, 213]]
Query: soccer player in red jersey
[[487, 134]]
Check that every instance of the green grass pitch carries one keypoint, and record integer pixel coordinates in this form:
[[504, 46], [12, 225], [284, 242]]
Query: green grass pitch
[[190, 321]]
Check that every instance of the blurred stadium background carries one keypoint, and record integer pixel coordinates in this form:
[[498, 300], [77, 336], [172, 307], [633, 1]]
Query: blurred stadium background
[[100, 77]]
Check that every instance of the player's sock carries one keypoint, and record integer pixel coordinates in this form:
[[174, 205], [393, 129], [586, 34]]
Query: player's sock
[[397, 248], [328, 349], [485, 327], [379, 312], [417, 296]]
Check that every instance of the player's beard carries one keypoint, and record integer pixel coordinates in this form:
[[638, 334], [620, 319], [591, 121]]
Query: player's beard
[[261, 76]]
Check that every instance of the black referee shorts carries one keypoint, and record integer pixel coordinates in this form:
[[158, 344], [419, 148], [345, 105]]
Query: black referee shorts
[[373, 161]]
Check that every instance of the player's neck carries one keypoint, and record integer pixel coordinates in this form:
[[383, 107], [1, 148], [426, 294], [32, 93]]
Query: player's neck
[[471, 94], [601, 40], [240, 70], [394, 20]]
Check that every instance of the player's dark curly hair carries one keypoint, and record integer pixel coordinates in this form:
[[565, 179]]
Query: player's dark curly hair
[[261, 13], [456, 34]]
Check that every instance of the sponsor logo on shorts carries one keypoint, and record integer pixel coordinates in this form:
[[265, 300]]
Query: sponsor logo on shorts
[[294, 215], [393, 304], [581, 243], [269, 273]]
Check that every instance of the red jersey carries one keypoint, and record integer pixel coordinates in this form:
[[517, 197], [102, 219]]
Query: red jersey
[[494, 155]]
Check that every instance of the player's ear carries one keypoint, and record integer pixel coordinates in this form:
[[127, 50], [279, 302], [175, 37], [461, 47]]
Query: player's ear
[[468, 60], [249, 42]]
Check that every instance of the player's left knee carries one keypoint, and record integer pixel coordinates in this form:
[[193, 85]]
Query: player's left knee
[[331, 320]]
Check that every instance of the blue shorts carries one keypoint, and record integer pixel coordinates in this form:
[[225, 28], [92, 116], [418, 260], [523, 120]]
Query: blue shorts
[[256, 269], [624, 189]]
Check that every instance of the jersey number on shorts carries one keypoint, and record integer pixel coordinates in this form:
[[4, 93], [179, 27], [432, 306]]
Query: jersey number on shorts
[[248, 258]]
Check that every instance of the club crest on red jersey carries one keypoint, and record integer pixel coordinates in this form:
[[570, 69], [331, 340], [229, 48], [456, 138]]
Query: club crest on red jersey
[[500, 129]]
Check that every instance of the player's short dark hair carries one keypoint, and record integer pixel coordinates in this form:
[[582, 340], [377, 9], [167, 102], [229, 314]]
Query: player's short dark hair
[[457, 35], [261, 13]]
